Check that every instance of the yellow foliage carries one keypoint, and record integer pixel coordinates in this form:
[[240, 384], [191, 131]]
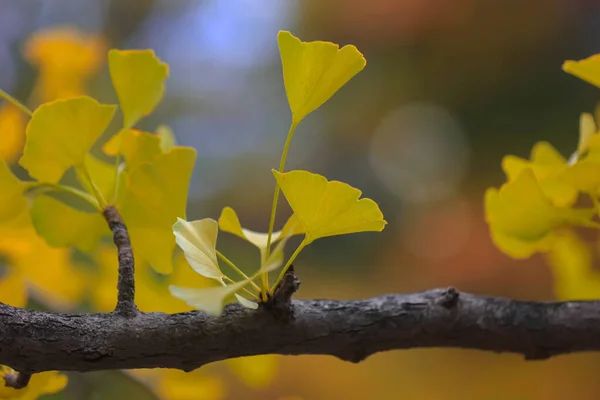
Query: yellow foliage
[[547, 164], [60, 134], [314, 71], [571, 263], [138, 77], [156, 195], [256, 371], [12, 127], [66, 59], [587, 69], [39, 385], [522, 218], [328, 208]]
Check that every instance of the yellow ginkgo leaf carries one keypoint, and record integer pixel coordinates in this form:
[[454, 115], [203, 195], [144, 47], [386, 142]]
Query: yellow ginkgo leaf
[[139, 80], [246, 303], [64, 226], [519, 212], [587, 69], [102, 174], [547, 165], [229, 222], [12, 126], [175, 384], [60, 134], [256, 371], [575, 278], [155, 195], [587, 128], [210, 300], [14, 204], [314, 71], [167, 137], [40, 384], [328, 208], [198, 240], [138, 147], [13, 290], [65, 58], [584, 174]]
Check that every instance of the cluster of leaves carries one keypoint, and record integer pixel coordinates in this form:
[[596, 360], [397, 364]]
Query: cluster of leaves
[[313, 72], [548, 198], [145, 175]]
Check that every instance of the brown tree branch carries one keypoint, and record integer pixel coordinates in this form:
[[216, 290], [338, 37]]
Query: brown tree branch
[[126, 282], [34, 341]]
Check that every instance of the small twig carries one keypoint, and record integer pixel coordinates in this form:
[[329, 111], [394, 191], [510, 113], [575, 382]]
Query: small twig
[[126, 283], [16, 380], [280, 303]]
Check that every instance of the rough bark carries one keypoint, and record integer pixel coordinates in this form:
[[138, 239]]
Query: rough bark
[[126, 283], [34, 341]]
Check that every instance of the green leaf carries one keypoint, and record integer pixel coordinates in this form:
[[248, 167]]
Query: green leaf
[[229, 222], [167, 138], [155, 196], [60, 134], [14, 205], [63, 226], [328, 208], [198, 240], [138, 77], [210, 300]]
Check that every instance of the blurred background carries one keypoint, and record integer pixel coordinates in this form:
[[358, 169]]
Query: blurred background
[[449, 88]]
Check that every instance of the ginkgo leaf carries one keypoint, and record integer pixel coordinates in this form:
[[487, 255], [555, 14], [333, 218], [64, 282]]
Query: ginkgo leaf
[[167, 137], [314, 71], [155, 195], [587, 69], [328, 208], [256, 371], [587, 128], [229, 222], [547, 165], [14, 204], [136, 146], [139, 147], [198, 240], [41, 384], [13, 289], [210, 300], [138, 77], [60, 134], [12, 126], [575, 278], [520, 213], [102, 174], [246, 303], [64, 226]]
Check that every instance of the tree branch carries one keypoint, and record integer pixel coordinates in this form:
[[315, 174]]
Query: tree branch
[[126, 282], [34, 341]]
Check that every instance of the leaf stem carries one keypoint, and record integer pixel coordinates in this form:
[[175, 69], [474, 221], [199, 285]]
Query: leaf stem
[[236, 269], [16, 102], [249, 293], [97, 193], [66, 189], [301, 246], [286, 147]]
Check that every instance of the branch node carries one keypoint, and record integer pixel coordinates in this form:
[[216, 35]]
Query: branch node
[[126, 283], [16, 380], [449, 298], [280, 303]]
